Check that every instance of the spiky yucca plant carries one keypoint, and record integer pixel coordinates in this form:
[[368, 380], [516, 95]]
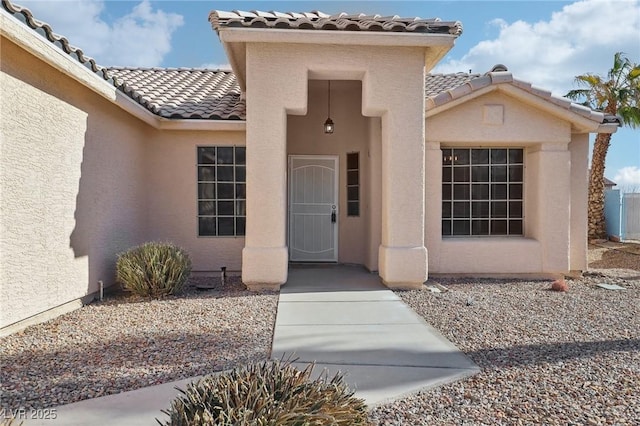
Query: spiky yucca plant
[[271, 393], [153, 269]]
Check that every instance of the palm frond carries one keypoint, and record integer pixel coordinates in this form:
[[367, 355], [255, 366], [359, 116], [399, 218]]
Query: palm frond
[[630, 116], [589, 80], [619, 92], [577, 94]]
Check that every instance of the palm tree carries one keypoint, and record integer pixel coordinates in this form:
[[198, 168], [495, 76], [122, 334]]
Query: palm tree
[[616, 94]]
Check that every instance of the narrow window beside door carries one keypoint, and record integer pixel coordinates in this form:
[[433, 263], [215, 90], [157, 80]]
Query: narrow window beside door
[[353, 184], [221, 191]]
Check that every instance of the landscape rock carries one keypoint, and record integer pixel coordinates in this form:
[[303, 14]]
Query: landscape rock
[[560, 285]]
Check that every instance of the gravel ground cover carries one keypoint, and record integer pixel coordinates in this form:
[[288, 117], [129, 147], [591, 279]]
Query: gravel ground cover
[[546, 357], [124, 343]]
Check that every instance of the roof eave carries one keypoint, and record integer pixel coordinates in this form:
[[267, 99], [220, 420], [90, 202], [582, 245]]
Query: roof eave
[[202, 125], [235, 39], [364, 38], [434, 109], [236, 54], [608, 128]]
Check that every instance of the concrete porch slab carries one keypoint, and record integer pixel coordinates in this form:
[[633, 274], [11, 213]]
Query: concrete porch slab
[[316, 278], [344, 312], [338, 295]]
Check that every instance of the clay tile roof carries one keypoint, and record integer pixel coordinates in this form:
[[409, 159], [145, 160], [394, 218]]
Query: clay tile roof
[[438, 83], [183, 93], [317, 20], [443, 88]]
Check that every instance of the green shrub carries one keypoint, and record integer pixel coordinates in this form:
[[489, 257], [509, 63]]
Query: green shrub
[[153, 269], [271, 393]]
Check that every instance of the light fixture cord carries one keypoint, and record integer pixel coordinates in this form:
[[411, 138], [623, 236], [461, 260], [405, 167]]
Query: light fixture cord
[[329, 101]]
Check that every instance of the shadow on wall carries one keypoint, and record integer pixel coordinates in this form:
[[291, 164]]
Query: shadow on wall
[[110, 202], [79, 238]]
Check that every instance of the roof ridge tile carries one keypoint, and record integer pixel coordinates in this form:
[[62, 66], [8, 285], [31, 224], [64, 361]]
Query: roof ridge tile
[[317, 20], [498, 77]]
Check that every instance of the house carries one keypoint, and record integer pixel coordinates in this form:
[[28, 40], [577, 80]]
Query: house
[[609, 184], [478, 174]]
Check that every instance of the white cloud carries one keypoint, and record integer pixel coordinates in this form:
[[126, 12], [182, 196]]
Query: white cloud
[[214, 66], [142, 37], [628, 176], [582, 37]]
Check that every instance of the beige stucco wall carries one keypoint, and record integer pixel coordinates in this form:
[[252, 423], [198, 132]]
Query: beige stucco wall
[[374, 183], [305, 136], [521, 123], [554, 239], [72, 186], [579, 150], [172, 203], [393, 89]]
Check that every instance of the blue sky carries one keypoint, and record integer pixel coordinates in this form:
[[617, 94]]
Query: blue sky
[[546, 43]]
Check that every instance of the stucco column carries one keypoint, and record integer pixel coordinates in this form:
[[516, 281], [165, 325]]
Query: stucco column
[[433, 203], [579, 149], [402, 258], [554, 191], [264, 257], [271, 93]]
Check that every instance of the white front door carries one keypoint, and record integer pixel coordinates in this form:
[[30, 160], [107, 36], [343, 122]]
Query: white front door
[[313, 208]]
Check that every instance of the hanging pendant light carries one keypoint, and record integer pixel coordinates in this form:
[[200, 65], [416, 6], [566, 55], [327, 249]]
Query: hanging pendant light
[[328, 124]]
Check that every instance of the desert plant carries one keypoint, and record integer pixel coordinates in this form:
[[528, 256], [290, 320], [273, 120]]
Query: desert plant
[[153, 269], [269, 393], [9, 421]]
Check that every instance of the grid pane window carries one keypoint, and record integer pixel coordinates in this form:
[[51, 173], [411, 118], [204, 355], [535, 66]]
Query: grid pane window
[[221, 191], [353, 184], [482, 191]]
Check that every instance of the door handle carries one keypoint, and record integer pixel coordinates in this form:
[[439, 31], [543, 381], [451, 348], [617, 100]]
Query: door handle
[[333, 216]]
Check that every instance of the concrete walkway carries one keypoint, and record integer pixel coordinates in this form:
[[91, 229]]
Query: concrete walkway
[[134, 408], [342, 318]]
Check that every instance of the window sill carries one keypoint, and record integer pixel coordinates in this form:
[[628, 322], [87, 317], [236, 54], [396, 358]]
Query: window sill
[[484, 239]]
